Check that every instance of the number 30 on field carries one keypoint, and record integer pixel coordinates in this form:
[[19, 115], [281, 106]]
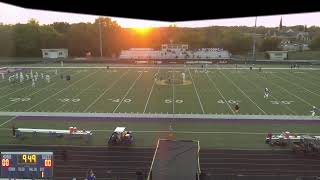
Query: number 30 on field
[[281, 102]]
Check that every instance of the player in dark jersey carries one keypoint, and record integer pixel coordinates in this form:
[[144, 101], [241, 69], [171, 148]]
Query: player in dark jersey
[[237, 108]]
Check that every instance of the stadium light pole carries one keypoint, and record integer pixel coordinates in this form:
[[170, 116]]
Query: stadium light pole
[[254, 40], [100, 38]]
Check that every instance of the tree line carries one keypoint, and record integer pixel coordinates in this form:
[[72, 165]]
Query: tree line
[[26, 40]]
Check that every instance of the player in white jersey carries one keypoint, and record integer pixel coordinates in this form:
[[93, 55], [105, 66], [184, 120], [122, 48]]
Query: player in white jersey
[[56, 72], [183, 77], [35, 77], [33, 83], [17, 76], [48, 78], [42, 76], [27, 77], [266, 93], [21, 78], [313, 111], [156, 77]]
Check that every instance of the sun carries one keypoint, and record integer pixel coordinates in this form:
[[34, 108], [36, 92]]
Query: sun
[[142, 30]]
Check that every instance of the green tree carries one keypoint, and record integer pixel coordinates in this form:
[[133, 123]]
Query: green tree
[[236, 42], [269, 44], [61, 27], [7, 43], [27, 39], [315, 42]]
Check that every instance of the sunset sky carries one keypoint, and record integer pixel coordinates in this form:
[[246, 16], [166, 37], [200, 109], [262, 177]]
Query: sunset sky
[[12, 15]]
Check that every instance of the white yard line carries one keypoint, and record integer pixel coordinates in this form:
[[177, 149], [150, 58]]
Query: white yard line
[[61, 90], [302, 79], [165, 116], [297, 85], [6, 86], [105, 91], [151, 67], [154, 82], [83, 90], [212, 82], [243, 92], [173, 99], [8, 121], [128, 91], [306, 102], [286, 106], [196, 92], [195, 132], [36, 92], [14, 91]]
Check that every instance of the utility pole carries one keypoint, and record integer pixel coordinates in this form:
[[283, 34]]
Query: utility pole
[[100, 38], [254, 41]]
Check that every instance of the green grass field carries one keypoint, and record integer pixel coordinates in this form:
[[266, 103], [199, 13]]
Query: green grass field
[[120, 90], [133, 90]]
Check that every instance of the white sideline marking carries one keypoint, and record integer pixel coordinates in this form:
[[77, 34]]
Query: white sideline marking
[[105, 91], [145, 107], [7, 121], [151, 67], [163, 115], [61, 90], [194, 132], [127, 92], [196, 92], [220, 93], [243, 93]]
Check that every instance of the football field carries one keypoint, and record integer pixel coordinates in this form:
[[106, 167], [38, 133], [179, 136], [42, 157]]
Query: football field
[[161, 91], [135, 90]]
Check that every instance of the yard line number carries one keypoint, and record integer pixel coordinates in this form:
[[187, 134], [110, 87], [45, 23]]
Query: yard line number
[[19, 99], [230, 101], [281, 102], [167, 101], [68, 100], [118, 100]]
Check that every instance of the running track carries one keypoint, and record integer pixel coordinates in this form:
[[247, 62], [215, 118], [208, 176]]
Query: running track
[[124, 162]]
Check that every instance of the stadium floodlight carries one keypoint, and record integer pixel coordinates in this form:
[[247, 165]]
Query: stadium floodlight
[[100, 37], [254, 40]]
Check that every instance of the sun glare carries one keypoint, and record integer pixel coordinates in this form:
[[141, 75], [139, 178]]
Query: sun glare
[[142, 30]]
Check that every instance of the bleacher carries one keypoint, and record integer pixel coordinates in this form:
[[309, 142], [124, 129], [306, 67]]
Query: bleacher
[[174, 51]]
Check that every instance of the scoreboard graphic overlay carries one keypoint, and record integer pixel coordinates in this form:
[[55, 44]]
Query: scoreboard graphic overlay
[[27, 165]]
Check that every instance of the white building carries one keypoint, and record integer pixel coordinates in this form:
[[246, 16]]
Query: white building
[[54, 53], [278, 55]]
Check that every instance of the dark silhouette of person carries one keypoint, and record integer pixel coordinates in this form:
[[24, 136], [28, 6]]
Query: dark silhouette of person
[[13, 130]]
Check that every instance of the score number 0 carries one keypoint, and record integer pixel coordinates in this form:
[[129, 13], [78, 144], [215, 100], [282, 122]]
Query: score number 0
[[47, 163]]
